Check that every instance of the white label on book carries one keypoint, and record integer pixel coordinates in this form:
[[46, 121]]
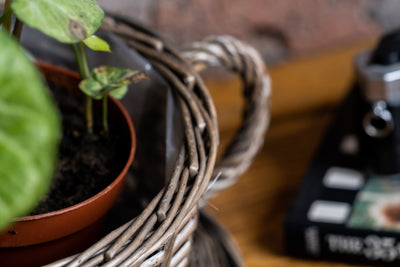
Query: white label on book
[[329, 211], [343, 178]]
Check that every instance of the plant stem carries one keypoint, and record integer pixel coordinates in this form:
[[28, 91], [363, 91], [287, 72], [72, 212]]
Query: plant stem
[[84, 61], [84, 72], [17, 29], [78, 60], [89, 113], [5, 16], [88, 99], [8, 20], [105, 112]]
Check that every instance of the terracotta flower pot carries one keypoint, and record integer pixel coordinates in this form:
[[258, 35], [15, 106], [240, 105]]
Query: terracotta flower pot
[[38, 229]]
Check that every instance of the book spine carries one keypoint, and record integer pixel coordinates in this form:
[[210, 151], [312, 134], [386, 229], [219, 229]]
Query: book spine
[[345, 245]]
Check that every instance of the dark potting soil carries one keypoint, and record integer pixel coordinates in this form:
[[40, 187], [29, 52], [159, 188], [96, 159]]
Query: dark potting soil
[[87, 163]]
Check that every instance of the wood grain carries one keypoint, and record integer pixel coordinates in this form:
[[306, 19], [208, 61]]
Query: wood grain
[[305, 93]]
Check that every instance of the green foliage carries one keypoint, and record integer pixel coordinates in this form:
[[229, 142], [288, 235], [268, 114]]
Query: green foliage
[[68, 21], [97, 44], [29, 133], [113, 80], [109, 80]]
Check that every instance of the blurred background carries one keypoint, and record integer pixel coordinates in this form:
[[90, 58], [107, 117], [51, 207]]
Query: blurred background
[[279, 29], [309, 47]]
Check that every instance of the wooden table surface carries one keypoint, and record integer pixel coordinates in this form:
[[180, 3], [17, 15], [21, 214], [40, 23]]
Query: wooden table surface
[[305, 92]]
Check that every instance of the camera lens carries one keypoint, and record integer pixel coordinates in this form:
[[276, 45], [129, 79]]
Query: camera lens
[[378, 123]]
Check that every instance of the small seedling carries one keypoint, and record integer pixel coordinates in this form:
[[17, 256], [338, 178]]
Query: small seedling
[[106, 80], [98, 44]]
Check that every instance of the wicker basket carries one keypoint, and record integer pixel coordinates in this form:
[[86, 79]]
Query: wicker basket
[[165, 231]]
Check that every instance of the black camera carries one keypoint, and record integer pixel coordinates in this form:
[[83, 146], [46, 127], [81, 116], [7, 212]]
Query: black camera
[[378, 85], [348, 206]]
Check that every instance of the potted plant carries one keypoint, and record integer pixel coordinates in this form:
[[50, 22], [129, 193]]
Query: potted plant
[[30, 135]]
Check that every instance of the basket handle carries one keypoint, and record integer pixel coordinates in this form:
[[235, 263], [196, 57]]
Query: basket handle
[[244, 60]]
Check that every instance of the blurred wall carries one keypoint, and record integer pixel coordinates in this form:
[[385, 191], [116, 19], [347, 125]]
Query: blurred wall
[[278, 28]]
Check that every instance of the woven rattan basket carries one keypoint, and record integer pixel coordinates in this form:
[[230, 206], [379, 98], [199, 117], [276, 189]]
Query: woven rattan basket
[[170, 230]]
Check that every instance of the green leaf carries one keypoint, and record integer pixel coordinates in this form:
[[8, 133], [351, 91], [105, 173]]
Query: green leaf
[[106, 79], [97, 44], [92, 88], [29, 133], [119, 92], [68, 21]]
